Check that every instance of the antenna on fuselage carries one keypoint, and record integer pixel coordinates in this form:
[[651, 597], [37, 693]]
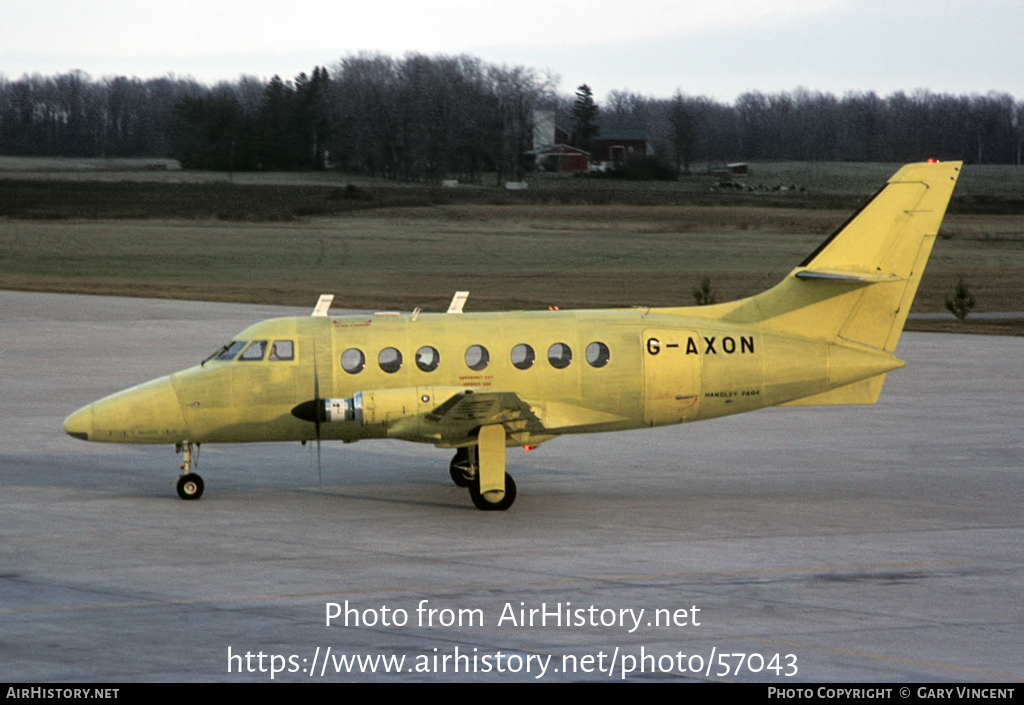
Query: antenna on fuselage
[[323, 305], [458, 301]]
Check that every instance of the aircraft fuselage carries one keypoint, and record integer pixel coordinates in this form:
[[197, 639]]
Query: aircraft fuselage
[[582, 372]]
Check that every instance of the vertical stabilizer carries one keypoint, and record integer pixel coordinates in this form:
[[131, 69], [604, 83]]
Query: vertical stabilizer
[[859, 284]]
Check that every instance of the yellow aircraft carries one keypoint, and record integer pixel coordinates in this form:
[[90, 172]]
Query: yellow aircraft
[[479, 383]]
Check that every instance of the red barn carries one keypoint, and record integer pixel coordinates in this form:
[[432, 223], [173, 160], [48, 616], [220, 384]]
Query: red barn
[[618, 145]]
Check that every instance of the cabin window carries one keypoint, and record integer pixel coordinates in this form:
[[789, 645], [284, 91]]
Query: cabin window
[[231, 350], [282, 350], [598, 354], [353, 360], [477, 357], [390, 360], [559, 355], [523, 356], [255, 351], [427, 358]]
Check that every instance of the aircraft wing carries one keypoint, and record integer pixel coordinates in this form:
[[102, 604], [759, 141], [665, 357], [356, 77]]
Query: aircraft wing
[[485, 408]]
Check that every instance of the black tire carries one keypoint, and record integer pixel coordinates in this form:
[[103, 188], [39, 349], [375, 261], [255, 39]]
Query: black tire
[[190, 486], [483, 504], [460, 469]]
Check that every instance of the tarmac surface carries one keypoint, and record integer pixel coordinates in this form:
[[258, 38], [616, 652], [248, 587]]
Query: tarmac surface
[[878, 543]]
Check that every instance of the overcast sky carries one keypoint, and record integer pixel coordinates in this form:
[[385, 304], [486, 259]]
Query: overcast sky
[[718, 48]]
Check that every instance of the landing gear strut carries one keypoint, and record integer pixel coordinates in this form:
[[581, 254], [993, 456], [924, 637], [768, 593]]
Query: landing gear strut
[[190, 485], [463, 466], [481, 469]]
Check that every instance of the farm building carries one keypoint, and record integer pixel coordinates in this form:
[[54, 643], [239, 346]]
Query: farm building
[[550, 153], [560, 159], [617, 145]]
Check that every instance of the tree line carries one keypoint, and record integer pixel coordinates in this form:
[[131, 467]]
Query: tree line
[[421, 117]]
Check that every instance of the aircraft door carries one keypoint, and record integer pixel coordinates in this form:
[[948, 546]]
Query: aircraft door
[[672, 372]]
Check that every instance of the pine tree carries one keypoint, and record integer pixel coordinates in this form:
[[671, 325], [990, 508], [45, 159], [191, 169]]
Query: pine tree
[[584, 113], [683, 134]]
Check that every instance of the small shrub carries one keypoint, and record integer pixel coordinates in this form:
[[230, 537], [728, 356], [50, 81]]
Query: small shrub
[[703, 294], [961, 301]]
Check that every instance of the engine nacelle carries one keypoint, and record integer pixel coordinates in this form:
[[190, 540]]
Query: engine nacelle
[[377, 406], [341, 410], [381, 406], [368, 408]]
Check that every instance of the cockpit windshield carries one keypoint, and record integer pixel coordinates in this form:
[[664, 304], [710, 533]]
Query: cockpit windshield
[[254, 353], [281, 350], [227, 352]]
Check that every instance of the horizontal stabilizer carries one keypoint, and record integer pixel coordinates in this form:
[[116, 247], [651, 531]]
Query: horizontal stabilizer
[[848, 275]]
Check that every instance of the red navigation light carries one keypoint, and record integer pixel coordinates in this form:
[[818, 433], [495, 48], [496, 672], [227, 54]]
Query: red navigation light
[[933, 161]]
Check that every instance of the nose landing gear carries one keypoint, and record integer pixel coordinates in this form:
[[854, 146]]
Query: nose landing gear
[[190, 485]]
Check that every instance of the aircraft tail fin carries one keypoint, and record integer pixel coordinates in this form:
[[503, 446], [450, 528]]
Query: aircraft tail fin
[[859, 284]]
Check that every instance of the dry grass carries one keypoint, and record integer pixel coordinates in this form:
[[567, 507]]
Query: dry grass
[[274, 238], [508, 257]]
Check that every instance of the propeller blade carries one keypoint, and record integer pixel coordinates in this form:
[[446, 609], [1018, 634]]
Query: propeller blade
[[316, 374], [317, 416], [319, 474]]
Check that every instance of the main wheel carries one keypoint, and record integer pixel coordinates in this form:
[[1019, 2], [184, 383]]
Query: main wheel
[[461, 468], [481, 502], [190, 486]]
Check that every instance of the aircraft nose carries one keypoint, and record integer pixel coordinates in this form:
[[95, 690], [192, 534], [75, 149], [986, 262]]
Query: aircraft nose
[[79, 424], [147, 413]]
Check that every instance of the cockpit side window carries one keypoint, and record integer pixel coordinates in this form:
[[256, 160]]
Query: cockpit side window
[[231, 350], [254, 352], [282, 350]]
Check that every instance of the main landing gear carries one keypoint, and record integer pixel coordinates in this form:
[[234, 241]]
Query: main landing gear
[[463, 467], [481, 469], [190, 485], [481, 501]]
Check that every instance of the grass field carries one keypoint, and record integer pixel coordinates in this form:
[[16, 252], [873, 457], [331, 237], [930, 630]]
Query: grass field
[[836, 179], [403, 248]]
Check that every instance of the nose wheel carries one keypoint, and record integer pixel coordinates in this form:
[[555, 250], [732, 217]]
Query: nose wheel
[[190, 485]]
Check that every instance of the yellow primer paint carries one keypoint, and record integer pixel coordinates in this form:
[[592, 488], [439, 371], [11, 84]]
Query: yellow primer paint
[[825, 335]]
